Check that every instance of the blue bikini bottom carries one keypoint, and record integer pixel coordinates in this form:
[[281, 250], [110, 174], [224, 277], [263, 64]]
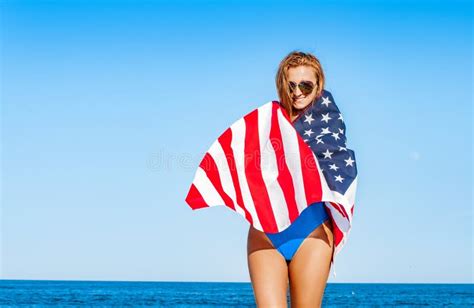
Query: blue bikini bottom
[[289, 240]]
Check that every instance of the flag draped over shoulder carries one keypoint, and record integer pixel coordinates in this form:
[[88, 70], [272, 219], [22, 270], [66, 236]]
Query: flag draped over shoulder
[[269, 170]]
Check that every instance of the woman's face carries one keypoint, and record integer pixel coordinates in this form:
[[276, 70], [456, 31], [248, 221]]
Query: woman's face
[[297, 75]]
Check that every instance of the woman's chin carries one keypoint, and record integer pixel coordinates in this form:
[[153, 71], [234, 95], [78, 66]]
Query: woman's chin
[[300, 105]]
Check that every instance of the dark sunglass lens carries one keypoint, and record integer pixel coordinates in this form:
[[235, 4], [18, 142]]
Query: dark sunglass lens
[[306, 87]]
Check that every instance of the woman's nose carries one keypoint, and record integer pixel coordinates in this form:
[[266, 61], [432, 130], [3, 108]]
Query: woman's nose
[[297, 91]]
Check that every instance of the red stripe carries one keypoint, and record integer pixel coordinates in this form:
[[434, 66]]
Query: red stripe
[[284, 176], [309, 170], [225, 141], [209, 166], [340, 209], [253, 173], [195, 199]]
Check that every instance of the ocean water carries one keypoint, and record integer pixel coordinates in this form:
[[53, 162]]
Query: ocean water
[[43, 293]]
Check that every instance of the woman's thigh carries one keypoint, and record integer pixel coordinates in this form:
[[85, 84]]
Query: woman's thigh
[[309, 268], [268, 271]]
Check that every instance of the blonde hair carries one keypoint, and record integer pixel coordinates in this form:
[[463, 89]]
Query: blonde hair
[[294, 59]]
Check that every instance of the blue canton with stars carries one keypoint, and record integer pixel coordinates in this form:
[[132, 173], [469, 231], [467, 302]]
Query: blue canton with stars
[[323, 129]]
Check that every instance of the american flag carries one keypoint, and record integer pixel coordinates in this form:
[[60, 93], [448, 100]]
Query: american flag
[[269, 169]]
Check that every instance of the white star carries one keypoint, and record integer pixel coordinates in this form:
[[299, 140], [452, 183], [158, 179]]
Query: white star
[[309, 118], [326, 117], [341, 130], [339, 178], [325, 131], [308, 132], [342, 149], [328, 154], [326, 101], [349, 162], [333, 167], [318, 140], [336, 136], [340, 117], [305, 140]]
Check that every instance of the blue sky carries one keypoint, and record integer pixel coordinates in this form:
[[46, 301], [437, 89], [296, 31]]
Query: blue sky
[[108, 107]]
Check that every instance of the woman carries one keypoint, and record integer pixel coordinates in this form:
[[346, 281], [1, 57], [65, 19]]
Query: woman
[[301, 254]]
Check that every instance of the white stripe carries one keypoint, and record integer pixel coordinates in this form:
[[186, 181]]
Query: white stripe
[[347, 200], [343, 241], [343, 223], [218, 154], [206, 189], [350, 192], [238, 145], [270, 168], [293, 160]]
